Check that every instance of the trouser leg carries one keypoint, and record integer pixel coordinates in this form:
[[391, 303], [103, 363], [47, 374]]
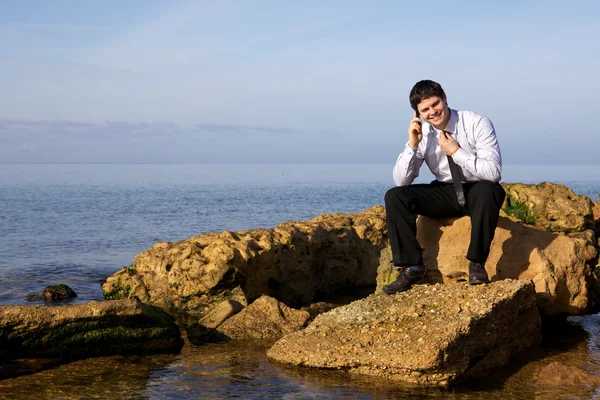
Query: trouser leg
[[484, 200], [403, 204]]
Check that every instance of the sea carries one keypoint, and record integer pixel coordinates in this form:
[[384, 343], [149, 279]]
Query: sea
[[79, 223]]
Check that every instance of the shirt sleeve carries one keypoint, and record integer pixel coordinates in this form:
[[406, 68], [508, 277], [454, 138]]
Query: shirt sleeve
[[486, 163], [407, 166]]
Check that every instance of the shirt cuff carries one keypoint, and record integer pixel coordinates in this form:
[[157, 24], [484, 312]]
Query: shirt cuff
[[461, 157], [410, 150]]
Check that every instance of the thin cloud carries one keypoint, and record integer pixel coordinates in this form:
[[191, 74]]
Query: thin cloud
[[242, 129]]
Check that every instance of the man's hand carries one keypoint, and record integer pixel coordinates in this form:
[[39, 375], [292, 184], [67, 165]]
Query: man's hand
[[415, 134], [447, 144]]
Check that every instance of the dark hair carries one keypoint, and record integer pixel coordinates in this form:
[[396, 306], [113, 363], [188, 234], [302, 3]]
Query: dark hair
[[424, 90]]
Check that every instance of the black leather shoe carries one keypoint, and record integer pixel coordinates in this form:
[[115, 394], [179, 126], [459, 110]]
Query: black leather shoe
[[477, 274], [407, 278]]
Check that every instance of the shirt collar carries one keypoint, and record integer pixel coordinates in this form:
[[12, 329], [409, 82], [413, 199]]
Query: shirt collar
[[451, 125]]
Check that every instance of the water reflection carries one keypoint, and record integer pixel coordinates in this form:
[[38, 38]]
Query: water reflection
[[242, 370], [115, 377]]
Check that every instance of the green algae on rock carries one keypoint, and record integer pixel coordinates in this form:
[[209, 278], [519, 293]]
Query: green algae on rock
[[58, 292], [95, 328], [550, 206]]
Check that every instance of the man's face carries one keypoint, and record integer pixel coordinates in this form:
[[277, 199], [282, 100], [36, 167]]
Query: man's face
[[434, 110]]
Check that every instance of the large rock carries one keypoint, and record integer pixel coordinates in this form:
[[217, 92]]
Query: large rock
[[548, 205], [431, 334], [294, 262], [96, 328], [557, 264], [265, 318]]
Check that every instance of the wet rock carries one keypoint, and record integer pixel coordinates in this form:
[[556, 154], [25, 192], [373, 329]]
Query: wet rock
[[199, 334], [58, 292], [293, 262], [557, 374], [548, 205], [34, 297], [431, 334], [82, 330], [265, 318], [558, 264]]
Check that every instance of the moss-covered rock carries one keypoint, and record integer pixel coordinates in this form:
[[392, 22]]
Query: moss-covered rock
[[82, 330], [58, 292]]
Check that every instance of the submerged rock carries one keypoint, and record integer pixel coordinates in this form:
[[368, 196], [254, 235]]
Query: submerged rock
[[265, 318], [58, 292], [431, 334], [559, 265], [82, 330], [34, 297]]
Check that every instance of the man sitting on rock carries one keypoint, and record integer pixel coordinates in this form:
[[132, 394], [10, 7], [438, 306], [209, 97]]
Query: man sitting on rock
[[461, 150]]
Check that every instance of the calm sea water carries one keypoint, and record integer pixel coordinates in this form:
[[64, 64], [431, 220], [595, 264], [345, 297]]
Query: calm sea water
[[78, 223]]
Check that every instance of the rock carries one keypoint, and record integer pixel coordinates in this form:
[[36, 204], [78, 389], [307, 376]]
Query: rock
[[199, 334], [557, 374], [556, 263], [548, 205], [431, 334], [34, 297], [596, 210], [82, 330], [318, 308], [220, 313], [265, 318], [110, 377], [58, 292], [293, 262]]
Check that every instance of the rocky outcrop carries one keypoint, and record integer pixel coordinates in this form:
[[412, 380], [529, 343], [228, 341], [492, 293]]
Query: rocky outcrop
[[596, 210], [76, 331], [293, 262], [557, 264], [432, 334], [265, 318], [298, 262], [550, 206]]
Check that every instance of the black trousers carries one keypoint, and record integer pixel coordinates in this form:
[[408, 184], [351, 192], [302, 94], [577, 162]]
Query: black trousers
[[438, 200]]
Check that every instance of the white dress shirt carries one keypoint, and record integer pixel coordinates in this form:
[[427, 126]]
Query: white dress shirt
[[478, 157]]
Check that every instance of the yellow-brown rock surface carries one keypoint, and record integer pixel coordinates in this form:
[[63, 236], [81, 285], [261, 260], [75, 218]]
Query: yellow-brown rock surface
[[431, 334], [292, 262], [265, 318], [556, 263], [556, 207]]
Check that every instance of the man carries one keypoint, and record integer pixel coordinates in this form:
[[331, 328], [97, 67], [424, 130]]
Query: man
[[452, 143]]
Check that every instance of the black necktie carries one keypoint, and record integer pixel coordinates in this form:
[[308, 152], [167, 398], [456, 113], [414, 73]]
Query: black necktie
[[456, 180]]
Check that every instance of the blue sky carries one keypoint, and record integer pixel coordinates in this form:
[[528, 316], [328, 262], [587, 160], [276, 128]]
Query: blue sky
[[290, 82]]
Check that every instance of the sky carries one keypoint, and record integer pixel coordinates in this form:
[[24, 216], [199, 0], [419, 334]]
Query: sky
[[276, 81]]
